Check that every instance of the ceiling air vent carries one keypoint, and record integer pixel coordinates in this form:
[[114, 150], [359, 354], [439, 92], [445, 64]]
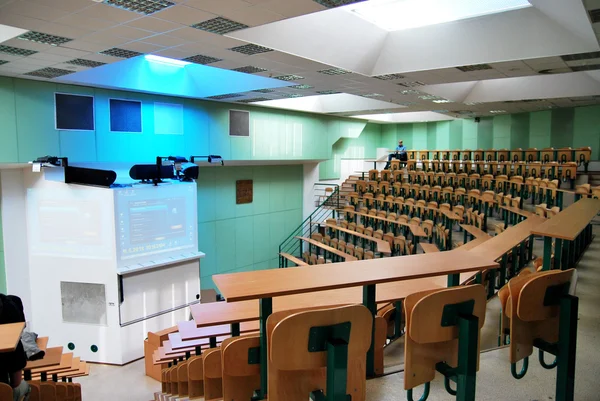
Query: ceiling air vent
[[585, 67], [336, 3], [220, 26], [47, 39], [264, 90], [225, 96], [48, 72], [250, 49], [580, 56], [16, 51], [303, 86], [202, 59], [411, 84], [146, 7], [121, 53], [290, 77], [328, 92], [254, 99], [475, 67], [389, 77], [249, 69], [85, 63], [334, 71], [371, 95], [595, 15]]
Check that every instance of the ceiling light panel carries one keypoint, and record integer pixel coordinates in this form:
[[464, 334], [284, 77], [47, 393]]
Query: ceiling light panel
[[202, 59], [290, 95], [220, 26], [254, 99], [303, 86], [411, 84], [122, 53], [225, 96], [16, 51], [290, 77], [264, 91], [371, 95], [336, 3], [589, 67], [250, 49], [44, 38], [334, 71], [497, 111], [410, 92], [476, 67], [419, 13], [249, 69], [85, 63], [442, 101], [595, 15], [49, 72], [389, 77], [146, 7]]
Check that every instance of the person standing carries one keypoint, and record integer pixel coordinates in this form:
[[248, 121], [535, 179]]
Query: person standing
[[399, 154]]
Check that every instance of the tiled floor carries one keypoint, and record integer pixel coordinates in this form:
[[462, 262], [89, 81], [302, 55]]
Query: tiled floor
[[494, 381]]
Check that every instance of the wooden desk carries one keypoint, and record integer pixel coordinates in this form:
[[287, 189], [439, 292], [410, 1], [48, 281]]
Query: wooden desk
[[189, 330], [53, 357], [416, 230], [347, 258], [10, 335], [518, 211], [474, 231], [572, 232], [382, 246], [66, 360], [42, 343], [473, 243], [429, 248], [293, 259], [450, 214]]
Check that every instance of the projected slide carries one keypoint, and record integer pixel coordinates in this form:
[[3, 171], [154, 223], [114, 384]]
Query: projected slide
[[155, 221], [70, 221]]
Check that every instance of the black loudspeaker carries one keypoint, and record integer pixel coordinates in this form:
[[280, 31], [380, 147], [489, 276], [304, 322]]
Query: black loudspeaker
[[148, 172], [89, 176], [477, 119]]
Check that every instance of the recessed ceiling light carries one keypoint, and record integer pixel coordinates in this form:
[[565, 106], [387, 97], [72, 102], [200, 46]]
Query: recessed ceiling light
[[410, 92], [474, 67], [49, 72], [497, 111], [225, 96], [250, 69], [328, 92], [290, 77], [372, 95], [166, 60], [473, 103], [202, 59], [334, 71], [16, 51], [303, 86], [335, 3], [85, 63], [418, 13], [146, 7], [219, 25], [389, 77], [440, 101], [250, 49], [429, 97], [291, 95], [47, 39], [122, 53]]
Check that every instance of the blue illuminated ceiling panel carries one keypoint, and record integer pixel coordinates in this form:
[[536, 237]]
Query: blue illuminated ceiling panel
[[164, 76]]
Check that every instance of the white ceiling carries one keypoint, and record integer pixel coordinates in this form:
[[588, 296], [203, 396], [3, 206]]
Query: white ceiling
[[95, 27]]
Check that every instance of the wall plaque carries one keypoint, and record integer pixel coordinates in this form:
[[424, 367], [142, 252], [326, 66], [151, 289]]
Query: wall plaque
[[243, 191]]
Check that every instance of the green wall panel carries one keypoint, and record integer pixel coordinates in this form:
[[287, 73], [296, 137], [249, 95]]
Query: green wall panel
[[485, 133], [586, 129], [469, 134], [2, 269], [443, 135], [562, 128], [501, 132], [8, 121], [431, 135], [456, 134], [246, 237], [519, 131], [539, 129], [419, 137]]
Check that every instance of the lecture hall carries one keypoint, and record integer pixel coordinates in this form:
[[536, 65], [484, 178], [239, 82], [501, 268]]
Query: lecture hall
[[292, 200]]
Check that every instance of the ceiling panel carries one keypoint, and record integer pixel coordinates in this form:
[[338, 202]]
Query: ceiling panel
[[218, 7], [34, 10], [154, 24], [86, 23], [184, 14], [110, 13]]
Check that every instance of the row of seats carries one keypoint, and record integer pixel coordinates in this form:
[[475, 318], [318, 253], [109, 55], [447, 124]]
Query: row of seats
[[546, 155]]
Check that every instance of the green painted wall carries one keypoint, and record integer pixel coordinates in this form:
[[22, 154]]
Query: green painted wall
[[246, 237], [2, 270], [574, 127]]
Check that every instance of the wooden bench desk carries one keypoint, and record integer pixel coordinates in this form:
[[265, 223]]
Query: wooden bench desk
[[382, 246], [189, 330], [344, 255], [520, 212], [42, 343], [572, 226], [53, 357], [67, 364], [429, 248], [474, 243], [293, 259], [266, 284], [474, 231], [10, 335]]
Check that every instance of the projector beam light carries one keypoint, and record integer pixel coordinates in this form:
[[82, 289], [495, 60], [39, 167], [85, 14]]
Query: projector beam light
[[165, 60], [396, 15]]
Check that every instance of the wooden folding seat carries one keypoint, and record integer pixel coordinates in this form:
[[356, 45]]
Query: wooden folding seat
[[547, 155], [412, 176], [397, 176], [583, 156], [373, 187], [399, 245], [568, 171], [440, 178], [412, 155], [474, 181], [477, 155], [349, 250], [411, 165], [415, 220], [455, 155], [436, 193], [359, 253], [373, 175], [379, 202], [327, 239], [295, 372], [369, 255], [540, 210], [313, 259], [421, 177], [494, 168], [361, 187], [596, 192], [369, 231], [405, 189], [306, 257], [516, 202], [502, 155], [481, 221], [531, 155], [415, 190], [447, 194], [425, 191], [341, 245], [317, 237], [384, 188], [499, 228], [395, 165], [420, 207], [516, 155], [386, 175], [540, 310], [334, 243], [378, 234], [343, 224], [354, 199], [430, 177], [564, 155], [409, 205], [360, 228], [321, 260], [553, 211], [459, 210], [442, 332], [368, 201], [240, 373], [583, 190], [402, 219], [391, 216], [427, 226], [213, 374], [459, 195], [396, 188], [389, 238]]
